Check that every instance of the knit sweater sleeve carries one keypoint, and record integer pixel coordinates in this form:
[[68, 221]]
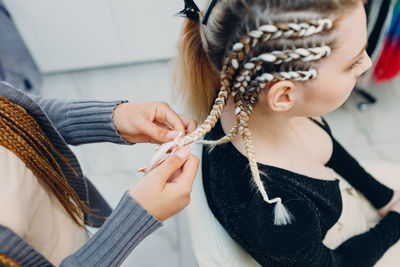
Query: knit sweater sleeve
[[128, 224], [348, 167], [82, 122], [300, 243]]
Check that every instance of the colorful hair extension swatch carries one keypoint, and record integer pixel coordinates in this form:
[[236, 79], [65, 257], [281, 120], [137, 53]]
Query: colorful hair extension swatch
[[388, 65]]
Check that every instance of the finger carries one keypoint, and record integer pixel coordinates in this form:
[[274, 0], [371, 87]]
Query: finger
[[165, 170], [140, 139], [166, 114], [155, 133], [190, 124], [188, 174]]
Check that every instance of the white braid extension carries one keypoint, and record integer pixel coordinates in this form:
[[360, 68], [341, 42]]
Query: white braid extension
[[304, 54], [289, 75], [290, 30], [226, 139]]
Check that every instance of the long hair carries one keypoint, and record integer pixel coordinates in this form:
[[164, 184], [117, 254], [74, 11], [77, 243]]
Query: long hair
[[245, 46], [8, 262], [21, 134]]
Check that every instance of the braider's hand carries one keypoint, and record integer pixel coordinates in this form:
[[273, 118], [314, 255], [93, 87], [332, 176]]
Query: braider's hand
[[166, 189], [393, 205], [151, 122]]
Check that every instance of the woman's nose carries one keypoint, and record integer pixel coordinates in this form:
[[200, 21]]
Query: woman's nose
[[366, 65]]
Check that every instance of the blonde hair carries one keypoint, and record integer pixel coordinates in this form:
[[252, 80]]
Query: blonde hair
[[244, 47]]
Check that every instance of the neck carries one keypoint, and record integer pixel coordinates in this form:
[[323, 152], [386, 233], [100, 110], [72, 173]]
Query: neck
[[269, 129]]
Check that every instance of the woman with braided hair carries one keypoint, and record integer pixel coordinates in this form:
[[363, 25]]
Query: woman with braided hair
[[271, 166], [45, 201]]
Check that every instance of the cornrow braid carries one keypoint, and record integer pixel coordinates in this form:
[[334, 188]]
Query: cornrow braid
[[304, 54], [244, 81], [237, 56], [274, 31], [21, 134], [8, 262]]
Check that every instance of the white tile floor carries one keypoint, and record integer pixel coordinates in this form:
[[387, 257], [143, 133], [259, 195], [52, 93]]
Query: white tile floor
[[369, 135]]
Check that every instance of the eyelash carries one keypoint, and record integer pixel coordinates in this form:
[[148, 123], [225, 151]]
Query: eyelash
[[355, 64]]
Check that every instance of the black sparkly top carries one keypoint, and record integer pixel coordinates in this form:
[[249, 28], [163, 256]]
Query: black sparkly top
[[315, 203]]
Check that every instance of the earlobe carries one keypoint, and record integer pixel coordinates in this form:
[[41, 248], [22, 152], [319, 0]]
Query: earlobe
[[281, 96]]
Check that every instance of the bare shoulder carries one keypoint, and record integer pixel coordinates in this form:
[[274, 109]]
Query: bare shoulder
[[315, 138]]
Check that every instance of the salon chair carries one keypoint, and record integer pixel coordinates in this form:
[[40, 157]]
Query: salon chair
[[212, 245]]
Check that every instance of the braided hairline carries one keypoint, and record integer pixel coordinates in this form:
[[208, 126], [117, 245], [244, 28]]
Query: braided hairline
[[274, 31], [237, 55], [288, 55]]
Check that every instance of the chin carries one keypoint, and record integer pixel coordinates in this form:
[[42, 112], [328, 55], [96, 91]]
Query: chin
[[339, 102], [334, 108], [325, 110]]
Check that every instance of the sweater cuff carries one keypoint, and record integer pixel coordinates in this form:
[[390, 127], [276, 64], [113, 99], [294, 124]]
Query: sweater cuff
[[391, 224], [393, 218], [91, 122], [128, 224]]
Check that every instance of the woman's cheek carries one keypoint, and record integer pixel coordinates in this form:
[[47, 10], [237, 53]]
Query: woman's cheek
[[345, 89]]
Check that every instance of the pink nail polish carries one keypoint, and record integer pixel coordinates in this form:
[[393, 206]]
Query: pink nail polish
[[184, 152], [142, 169], [171, 135]]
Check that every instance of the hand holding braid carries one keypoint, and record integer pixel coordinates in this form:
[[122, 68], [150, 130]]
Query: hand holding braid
[[244, 81]]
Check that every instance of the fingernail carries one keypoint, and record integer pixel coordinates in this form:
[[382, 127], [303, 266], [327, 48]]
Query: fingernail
[[171, 135], [142, 169], [184, 152]]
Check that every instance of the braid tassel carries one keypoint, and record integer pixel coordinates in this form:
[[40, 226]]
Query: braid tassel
[[282, 216]]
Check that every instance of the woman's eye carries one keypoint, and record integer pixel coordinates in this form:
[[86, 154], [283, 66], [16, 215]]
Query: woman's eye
[[355, 64]]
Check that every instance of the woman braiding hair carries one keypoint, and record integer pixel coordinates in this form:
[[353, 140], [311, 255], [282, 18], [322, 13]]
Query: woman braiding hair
[[45, 199]]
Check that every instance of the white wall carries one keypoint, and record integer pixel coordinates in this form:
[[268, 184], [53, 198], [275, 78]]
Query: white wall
[[74, 34]]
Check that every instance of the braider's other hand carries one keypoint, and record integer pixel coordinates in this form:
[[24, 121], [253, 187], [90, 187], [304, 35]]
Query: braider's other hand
[[166, 189], [150, 122]]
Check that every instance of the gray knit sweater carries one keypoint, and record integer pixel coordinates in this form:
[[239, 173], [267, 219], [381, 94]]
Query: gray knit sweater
[[74, 123]]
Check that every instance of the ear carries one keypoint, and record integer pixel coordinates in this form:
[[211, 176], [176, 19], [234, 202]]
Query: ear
[[280, 95]]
